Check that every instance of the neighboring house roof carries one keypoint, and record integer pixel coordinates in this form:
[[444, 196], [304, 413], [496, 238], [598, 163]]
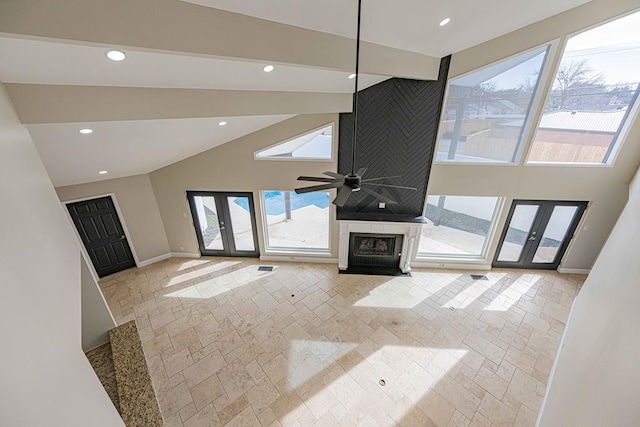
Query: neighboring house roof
[[584, 121]]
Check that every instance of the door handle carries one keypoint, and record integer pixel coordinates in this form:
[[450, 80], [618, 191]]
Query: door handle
[[123, 237], [532, 238], [221, 228]]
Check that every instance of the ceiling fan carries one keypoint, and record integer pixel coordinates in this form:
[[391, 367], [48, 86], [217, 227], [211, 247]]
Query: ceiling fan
[[352, 182]]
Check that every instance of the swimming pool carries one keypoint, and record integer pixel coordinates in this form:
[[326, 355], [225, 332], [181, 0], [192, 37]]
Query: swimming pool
[[274, 201]]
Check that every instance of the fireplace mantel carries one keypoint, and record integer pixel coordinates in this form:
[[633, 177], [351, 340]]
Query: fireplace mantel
[[409, 230]]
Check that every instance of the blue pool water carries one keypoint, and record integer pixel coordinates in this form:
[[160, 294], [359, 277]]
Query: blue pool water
[[274, 201]]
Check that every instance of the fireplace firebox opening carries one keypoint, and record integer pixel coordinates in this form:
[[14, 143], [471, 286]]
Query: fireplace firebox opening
[[369, 250]]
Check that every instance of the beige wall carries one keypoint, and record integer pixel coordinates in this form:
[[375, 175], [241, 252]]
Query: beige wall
[[596, 380], [96, 317], [606, 187], [137, 203], [231, 167], [46, 379]]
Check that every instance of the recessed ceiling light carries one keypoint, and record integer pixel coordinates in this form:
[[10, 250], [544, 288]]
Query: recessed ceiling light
[[444, 22], [268, 68], [103, 172], [115, 55], [352, 76], [222, 123], [86, 131]]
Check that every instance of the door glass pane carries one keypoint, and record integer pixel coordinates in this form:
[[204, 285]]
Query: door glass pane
[[208, 222], [555, 233], [240, 212], [518, 232]]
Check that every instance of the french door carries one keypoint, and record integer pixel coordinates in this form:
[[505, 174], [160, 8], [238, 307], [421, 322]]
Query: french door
[[537, 233], [225, 223]]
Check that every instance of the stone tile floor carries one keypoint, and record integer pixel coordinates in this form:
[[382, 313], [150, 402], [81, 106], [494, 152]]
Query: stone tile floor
[[303, 345]]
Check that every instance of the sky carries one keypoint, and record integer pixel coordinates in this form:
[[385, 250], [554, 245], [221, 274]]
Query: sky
[[611, 49]]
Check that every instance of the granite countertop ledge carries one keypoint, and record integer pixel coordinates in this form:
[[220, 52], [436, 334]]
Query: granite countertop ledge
[[138, 401]]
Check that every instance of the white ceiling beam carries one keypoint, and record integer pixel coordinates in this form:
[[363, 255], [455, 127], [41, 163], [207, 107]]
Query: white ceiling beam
[[172, 26], [70, 104]]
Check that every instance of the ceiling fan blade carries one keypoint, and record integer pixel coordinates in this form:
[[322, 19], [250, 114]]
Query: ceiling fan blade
[[319, 187], [361, 172], [315, 178], [379, 196], [343, 195], [390, 186], [382, 177], [333, 174]]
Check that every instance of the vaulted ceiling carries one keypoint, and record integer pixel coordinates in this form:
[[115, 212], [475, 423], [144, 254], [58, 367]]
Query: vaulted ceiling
[[191, 65]]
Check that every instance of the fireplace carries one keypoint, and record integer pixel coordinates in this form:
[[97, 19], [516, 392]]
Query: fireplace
[[374, 250], [372, 245]]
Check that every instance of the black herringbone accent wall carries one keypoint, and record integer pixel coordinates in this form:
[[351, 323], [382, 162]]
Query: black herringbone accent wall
[[397, 128]]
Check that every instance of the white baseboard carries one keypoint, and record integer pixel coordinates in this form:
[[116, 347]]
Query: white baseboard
[[574, 270], [154, 260], [287, 258], [453, 265], [185, 254]]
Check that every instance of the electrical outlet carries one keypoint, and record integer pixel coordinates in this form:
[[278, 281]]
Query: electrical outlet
[[184, 214], [382, 205], [182, 248]]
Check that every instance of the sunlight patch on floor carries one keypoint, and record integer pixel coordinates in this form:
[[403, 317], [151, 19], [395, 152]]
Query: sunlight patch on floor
[[327, 375], [401, 292], [474, 291], [219, 285], [513, 293]]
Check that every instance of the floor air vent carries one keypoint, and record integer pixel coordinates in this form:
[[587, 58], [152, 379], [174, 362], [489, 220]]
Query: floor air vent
[[265, 268], [479, 277]]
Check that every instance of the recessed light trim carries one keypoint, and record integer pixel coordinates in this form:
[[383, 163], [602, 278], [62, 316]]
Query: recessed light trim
[[115, 55], [352, 76], [268, 68], [445, 21], [86, 131], [103, 172], [222, 123]]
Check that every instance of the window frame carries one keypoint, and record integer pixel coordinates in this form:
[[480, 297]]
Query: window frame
[[484, 253], [275, 250], [532, 109], [621, 134], [302, 159]]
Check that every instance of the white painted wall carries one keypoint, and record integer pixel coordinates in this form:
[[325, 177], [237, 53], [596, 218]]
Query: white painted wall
[[96, 317], [45, 378], [596, 380]]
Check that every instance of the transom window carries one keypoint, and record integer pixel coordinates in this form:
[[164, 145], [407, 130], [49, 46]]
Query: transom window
[[486, 110], [314, 145], [592, 95]]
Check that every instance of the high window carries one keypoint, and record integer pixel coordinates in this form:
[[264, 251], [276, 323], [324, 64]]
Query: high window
[[486, 111], [592, 95], [296, 222], [458, 226], [314, 145]]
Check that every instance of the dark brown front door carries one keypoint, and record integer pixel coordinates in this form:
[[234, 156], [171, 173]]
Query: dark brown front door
[[102, 235]]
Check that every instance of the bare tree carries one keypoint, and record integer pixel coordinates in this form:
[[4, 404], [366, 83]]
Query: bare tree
[[575, 78], [483, 94]]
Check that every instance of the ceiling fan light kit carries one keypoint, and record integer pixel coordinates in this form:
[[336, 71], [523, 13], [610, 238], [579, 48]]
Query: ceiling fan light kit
[[352, 182]]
